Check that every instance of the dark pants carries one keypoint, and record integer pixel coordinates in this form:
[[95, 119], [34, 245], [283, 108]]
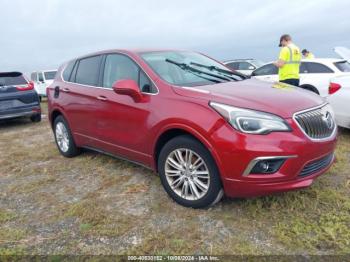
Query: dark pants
[[293, 82]]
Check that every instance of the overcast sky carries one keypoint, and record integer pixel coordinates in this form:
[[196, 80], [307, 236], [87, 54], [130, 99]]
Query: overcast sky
[[42, 34]]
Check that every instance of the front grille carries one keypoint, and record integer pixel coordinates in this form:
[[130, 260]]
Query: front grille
[[317, 123], [317, 165]]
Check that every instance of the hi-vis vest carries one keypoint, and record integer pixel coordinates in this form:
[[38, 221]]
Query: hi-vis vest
[[291, 56]]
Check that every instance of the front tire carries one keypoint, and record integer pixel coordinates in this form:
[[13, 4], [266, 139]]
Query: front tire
[[189, 173], [64, 139]]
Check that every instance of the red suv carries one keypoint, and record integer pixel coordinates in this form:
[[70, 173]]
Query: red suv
[[204, 128]]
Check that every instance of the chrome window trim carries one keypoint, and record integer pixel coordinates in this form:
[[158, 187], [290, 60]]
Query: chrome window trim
[[106, 88], [302, 130], [253, 162]]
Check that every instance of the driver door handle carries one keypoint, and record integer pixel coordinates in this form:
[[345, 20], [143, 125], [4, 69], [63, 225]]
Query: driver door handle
[[102, 98], [65, 90]]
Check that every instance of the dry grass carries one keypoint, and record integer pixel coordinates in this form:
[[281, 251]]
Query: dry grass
[[95, 204]]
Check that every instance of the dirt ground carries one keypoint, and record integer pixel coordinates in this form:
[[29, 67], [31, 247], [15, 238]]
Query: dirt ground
[[95, 204]]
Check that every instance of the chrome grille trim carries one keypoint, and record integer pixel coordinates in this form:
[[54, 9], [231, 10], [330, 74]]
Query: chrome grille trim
[[317, 165], [312, 123]]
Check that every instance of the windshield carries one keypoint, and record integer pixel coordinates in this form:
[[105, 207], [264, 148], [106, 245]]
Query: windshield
[[50, 75], [343, 66], [188, 68]]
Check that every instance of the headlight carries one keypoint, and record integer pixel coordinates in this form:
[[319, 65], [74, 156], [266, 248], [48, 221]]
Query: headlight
[[250, 121]]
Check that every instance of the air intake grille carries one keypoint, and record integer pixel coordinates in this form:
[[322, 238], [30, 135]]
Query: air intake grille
[[315, 166], [317, 123]]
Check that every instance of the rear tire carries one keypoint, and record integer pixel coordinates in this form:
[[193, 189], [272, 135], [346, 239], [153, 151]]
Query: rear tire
[[35, 118], [64, 139], [189, 173]]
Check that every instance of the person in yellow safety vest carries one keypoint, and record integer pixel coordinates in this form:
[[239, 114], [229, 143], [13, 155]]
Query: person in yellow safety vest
[[288, 62], [307, 54]]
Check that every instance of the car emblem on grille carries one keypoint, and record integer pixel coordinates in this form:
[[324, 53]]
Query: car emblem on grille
[[327, 118]]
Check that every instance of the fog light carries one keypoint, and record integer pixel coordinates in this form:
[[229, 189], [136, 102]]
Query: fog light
[[267, 166]]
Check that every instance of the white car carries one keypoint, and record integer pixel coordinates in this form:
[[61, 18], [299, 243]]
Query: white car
[[314, 73], [339, 92], [42, 79], [244, 66]]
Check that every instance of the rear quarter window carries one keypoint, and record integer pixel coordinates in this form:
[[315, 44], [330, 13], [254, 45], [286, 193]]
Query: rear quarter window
[[68, 71], [12, 78], [343, 66]]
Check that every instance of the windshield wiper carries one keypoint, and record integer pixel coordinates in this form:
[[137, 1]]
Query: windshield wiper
[[197, 72], [224, 71]]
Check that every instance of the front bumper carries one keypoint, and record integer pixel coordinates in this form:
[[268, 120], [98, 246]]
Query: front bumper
[[239, 150]]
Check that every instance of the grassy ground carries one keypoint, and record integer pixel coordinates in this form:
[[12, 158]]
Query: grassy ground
[[95, 204]]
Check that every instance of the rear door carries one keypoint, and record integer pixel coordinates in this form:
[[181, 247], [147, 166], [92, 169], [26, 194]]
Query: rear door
[[78, 97]]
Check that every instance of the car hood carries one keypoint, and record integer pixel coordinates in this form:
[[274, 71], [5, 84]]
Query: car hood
[[276, 98], [343, 52]]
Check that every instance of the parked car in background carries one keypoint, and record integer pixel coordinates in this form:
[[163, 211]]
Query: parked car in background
[[339, 92], [244, 66], [314, 74], [42, 79], [18, 97], [202, 127]]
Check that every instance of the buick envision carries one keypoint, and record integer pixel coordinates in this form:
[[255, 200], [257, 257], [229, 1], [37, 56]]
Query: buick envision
[[205, 129]]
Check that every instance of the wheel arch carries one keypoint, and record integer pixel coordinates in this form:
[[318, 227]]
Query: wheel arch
[[310, 87], [172, 132]]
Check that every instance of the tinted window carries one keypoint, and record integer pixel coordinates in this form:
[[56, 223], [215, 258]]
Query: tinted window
[[233, 65], [343, 66], [50, 75], [119, 67], [68, 70], [268, 69], [14, 78], [315, 68], [88, 71]]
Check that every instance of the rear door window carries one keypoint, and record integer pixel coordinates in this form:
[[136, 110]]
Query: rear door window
[[12, 79], [343, 66], [88, 71], [317, 68], [268, 69]]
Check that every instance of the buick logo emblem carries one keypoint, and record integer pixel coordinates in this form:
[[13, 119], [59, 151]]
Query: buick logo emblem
[[327, 118]]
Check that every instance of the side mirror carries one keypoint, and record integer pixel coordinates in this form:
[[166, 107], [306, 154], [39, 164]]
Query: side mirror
[[251, 67], [128, 87]]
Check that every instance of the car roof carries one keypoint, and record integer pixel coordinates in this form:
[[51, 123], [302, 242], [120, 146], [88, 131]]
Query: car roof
[[241, 59], [132, 51], [317, 60]]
